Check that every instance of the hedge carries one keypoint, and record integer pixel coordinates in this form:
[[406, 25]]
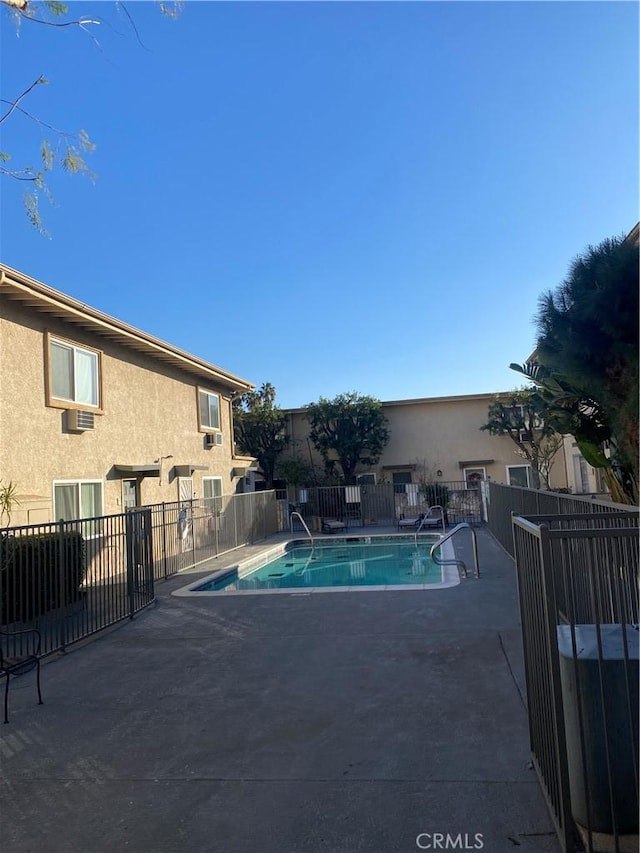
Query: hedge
[[40, 573]]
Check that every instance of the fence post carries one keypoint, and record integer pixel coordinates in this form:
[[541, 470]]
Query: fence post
[[217, 515], [193, 533], [130, 553], [62, 569], [559, 741], [235, 522], [164, 539]]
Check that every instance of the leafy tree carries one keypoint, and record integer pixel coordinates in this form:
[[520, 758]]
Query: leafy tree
[[521, 417], [260, 428], [59, 148], [295, 471], [570, 412], [351, 426], [587, 349]]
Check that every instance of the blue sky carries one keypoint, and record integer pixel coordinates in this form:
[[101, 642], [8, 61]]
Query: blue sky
[[331, 196]]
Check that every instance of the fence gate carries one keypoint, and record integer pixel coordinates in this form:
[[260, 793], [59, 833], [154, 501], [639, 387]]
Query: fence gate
[[139, 551]]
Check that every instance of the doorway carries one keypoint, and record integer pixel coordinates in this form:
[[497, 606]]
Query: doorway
[[130, 494]]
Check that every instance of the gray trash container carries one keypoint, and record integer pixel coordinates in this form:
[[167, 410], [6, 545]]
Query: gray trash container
[[591, 776]]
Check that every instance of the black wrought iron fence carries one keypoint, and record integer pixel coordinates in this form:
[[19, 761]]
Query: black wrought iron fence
[[72, 578], [385, 503], [578, 590], [503, 501]]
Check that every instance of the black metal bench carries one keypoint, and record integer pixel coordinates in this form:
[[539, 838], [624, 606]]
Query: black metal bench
[[19, 653]]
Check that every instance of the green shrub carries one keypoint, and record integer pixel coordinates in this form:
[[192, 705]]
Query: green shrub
[[39, 573], [436, 494]]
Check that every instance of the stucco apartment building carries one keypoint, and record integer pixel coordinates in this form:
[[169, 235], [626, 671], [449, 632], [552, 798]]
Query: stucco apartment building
[[439, 439], [96, 415]]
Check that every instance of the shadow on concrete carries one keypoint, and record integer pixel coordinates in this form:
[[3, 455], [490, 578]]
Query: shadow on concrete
[[343, 723]]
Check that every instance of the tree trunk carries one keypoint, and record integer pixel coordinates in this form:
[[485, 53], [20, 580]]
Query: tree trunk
[[348, 471], [535, 475]]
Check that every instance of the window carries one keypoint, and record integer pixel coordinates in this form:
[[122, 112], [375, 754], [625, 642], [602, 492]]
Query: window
[[130, 494], [209, 409], [400, 479], [524, 418], [212, 494], [74, 373], [473, 475], [368, 479], [519, 475], [77, 499], [581, 474]]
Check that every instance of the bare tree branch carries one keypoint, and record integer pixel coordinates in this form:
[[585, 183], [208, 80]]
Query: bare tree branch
[[14, 104], [121, 5], [37, 120], [80, 22], [68, 147], [18, 175]]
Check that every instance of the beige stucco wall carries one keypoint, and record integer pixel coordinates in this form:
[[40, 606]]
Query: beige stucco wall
[[150, 411], [436, 434]]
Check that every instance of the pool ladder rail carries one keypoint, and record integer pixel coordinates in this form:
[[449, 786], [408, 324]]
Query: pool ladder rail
[[312, 554], [426, 518], [460, 563], [304, 524]]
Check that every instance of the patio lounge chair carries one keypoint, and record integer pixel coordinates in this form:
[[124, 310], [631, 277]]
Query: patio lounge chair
[[432, 518], [332, 525], [410, 520]]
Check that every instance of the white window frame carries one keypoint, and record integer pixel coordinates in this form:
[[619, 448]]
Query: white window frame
[[214, 501], [209, 427], [73, 402], [527, 469], [471, 469], [88, 531]]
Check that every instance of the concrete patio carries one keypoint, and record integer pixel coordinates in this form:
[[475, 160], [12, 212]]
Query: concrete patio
[[362, 722]]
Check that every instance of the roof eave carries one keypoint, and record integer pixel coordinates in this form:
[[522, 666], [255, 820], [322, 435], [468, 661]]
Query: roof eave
[[41, 297]]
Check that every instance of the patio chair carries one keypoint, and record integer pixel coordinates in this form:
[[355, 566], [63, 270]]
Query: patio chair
[[432, 518], [332, 525], [19, 653], [412, 518]]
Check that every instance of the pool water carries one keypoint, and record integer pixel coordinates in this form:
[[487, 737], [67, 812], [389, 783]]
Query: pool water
[[346, 564]]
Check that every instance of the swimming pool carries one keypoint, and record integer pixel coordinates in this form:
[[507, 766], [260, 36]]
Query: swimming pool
[[347, 564]]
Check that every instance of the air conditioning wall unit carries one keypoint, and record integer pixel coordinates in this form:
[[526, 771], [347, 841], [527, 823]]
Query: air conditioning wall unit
[[213, 439], [80, 421]]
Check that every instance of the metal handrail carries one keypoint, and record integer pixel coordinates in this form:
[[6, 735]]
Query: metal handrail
[[304, 524], [460, 563], [424, 518]]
